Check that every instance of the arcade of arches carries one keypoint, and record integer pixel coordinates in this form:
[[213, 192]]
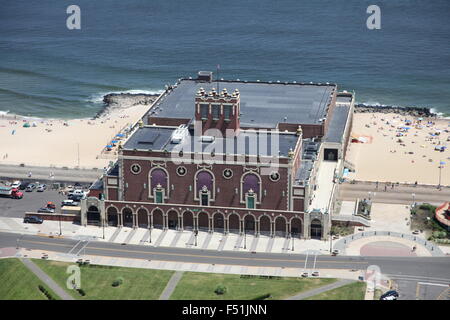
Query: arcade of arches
[[264, 224]]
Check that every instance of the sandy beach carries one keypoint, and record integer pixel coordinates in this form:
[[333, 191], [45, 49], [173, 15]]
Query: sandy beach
[[66, 143], [390, 152]]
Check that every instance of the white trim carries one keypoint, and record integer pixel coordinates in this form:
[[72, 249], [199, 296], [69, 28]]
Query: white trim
[[196, 192], [167, 189]]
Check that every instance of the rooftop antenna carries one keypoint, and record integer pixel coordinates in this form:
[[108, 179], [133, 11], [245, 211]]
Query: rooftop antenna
[[218, 68]]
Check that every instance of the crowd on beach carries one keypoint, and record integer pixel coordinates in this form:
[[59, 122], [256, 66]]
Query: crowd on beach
[[400, 147]]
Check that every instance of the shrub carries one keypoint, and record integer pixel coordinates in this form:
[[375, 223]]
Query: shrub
[[81, 292], [221, 289], [117, 282], [263, 297], [46, 293]]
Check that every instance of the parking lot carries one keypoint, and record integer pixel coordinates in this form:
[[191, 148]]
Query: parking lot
[[31, 202]]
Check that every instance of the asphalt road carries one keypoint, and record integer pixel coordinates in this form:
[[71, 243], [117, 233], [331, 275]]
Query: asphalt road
[[43, 173], [396, 195], [409, 268], [31, 202]]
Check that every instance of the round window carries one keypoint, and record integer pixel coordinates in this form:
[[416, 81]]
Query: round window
[[135, 168], [181, 171], [227, 173], [274, 176]]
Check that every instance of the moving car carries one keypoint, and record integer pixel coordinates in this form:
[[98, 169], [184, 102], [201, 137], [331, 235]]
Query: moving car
[[389, 295], [33, 219], [46, 210]]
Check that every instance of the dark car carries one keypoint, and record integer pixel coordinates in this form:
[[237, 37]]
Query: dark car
[[24, 185], [389, 295], [33, 219], [46, 210]]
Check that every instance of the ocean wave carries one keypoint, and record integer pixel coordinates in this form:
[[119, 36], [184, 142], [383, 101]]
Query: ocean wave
[[98, 97]]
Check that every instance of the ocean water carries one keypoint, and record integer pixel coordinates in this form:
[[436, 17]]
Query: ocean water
[[47, 70]]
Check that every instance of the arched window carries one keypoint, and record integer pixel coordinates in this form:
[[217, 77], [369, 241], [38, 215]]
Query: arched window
[[251, 190], [159, 185], [204, 187]]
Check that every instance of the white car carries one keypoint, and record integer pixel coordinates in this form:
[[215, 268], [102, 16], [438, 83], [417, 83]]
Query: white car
[[16, 184]]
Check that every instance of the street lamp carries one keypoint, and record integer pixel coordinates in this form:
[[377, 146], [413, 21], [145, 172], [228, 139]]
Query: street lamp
[[441, 164], [245, 239], [60, 229], [150, 241], [196, 234], [104, 221], [292, 236]]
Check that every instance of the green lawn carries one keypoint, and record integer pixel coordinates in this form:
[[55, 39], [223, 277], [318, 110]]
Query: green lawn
[[196, 286], [97, 281], [352, 291], [19, 283]]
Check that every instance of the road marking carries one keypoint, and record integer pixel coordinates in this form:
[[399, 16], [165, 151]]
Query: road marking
[[441, 295], [417, 290], [433, 284], [191, 255]]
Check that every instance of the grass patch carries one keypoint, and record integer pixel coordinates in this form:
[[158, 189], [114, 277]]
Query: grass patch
[[96, 281], [352, 291], [201, 286], [19, 283]]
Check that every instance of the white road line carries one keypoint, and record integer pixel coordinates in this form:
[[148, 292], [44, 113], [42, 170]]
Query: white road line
[[433, 284]]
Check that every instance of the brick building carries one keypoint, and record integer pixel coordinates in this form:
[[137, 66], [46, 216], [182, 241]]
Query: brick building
[[227, 156]]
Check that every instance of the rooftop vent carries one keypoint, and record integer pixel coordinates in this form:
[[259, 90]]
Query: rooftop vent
[[207, 139], [179, 134], [204, 76]]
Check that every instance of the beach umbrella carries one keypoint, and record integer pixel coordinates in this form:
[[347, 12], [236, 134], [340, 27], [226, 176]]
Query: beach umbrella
[[26, 125], [120, 135], [114, 141], [109, 146]]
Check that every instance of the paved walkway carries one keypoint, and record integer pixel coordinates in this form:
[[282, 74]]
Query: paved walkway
[[351, 244], [316, 291], [171, 285], [46, 279]]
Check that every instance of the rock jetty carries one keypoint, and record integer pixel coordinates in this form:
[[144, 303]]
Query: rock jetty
[[406, 111]]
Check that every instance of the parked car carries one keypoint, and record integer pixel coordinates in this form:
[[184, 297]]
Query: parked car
[[76, 197], [16, 184], [30, 187], [69, 203], [315, 274], [41, 188], [51, 205], [305, 274], [23, 185], [389, 295], [46, 210], [33, 219]]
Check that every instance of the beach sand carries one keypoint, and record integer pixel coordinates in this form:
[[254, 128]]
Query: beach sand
[[52, 143], [382, 158]]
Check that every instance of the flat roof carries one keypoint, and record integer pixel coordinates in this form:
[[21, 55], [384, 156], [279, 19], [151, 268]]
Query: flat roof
[[263, 104], [337, 124], [253, 142]]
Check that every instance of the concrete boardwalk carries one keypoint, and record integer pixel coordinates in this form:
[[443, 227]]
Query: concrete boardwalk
[[46, 279], [171, 285], [319, 290]]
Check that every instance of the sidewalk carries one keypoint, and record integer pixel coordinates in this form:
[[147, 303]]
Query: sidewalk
[[46, 279], [317, 291]]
